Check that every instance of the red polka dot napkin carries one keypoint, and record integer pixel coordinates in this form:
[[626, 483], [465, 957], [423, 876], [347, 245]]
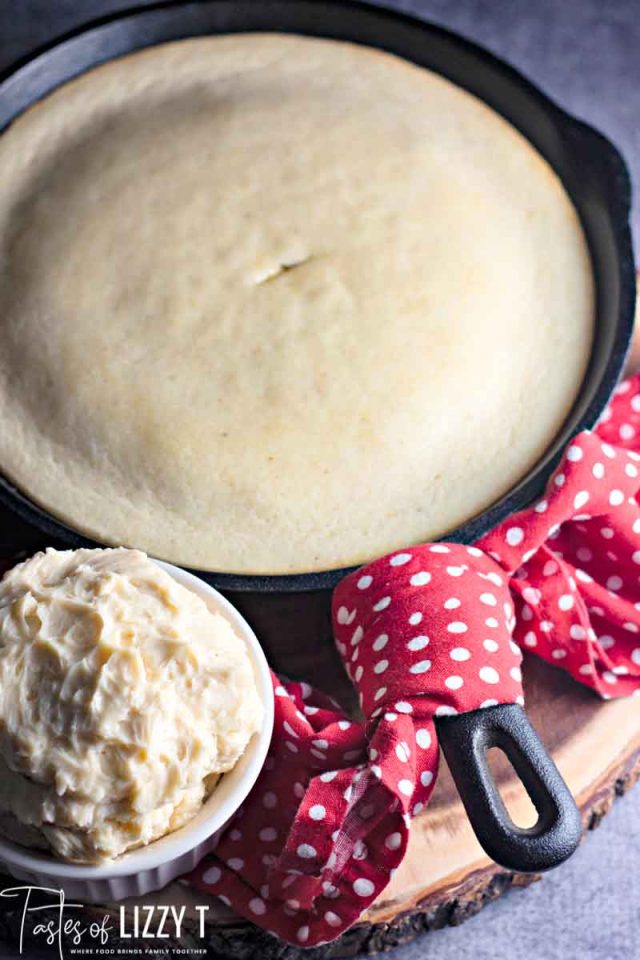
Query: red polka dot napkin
[[426, 631]]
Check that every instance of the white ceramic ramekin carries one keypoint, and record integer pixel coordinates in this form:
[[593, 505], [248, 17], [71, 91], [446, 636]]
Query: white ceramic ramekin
[[154, 866]]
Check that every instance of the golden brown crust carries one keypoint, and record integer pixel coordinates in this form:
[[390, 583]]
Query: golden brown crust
[[275, 304]]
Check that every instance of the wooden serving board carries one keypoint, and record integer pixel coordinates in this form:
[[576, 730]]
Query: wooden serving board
[[445, 876]]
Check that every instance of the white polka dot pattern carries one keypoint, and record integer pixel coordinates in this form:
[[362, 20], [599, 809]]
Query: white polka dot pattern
[[427, 632], [574, 592]]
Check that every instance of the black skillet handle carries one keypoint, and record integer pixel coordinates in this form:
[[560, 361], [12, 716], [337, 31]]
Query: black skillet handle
[[465, 739]]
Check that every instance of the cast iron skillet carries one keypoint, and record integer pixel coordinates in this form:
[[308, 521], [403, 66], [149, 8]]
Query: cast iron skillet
[[595, 177], [590, 168]]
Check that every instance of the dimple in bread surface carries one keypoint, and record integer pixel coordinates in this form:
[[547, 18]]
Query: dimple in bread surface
[[274, 304]]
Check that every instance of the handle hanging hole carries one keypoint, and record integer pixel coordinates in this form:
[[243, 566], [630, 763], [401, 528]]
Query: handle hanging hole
[[518, 803]]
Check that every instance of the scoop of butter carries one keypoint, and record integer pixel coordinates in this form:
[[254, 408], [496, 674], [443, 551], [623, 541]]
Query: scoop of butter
[[122, 697]]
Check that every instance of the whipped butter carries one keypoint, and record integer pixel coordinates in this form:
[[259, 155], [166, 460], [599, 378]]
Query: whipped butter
[[122, 698]]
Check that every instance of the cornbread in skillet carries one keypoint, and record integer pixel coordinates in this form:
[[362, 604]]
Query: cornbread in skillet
[[276, 304]]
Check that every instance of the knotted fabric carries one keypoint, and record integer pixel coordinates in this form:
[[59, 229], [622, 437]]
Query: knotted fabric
[[426, 631]]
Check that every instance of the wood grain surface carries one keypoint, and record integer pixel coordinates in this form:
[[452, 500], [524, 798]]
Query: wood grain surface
[[445, 876]]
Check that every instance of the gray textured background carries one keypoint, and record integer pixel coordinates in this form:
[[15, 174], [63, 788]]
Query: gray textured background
[[586, 55]]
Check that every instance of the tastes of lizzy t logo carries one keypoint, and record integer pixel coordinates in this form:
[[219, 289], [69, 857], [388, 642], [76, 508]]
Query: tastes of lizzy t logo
[[53, 920]]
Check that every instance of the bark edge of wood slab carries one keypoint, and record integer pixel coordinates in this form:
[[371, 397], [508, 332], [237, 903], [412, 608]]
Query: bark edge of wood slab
[[450, 905], [465, 740], [445, 877]]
